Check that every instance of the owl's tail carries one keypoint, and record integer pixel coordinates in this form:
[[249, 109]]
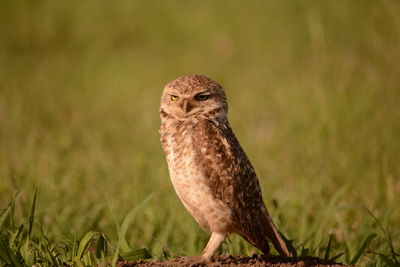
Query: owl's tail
[[266, 229], [272, 233]]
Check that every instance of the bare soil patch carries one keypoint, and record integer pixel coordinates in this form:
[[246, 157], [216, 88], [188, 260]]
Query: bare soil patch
[[231, 260]]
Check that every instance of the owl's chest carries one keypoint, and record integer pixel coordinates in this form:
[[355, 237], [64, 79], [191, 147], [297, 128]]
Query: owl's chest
[[190, 177], [184, 166]]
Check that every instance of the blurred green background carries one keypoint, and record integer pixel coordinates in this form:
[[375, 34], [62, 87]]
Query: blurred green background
[[314, 93]]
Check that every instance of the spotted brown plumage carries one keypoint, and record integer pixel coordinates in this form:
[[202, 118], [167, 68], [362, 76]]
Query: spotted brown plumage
[[209, 170]]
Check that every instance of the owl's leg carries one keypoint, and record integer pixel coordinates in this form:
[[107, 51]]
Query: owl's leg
[[213, 244]]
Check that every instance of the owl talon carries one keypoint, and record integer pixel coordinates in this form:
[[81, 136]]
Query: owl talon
[[194, 261]]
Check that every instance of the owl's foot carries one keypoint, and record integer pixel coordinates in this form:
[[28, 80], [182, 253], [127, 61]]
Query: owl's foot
[[194, 261]]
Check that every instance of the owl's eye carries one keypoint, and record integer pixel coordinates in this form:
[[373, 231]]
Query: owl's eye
[[202, 97], [174, 97]]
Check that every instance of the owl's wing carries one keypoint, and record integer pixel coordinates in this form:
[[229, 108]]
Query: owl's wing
[[231, 179], [230, 175]]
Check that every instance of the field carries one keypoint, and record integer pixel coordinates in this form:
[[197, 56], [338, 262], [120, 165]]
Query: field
[[314, 94]]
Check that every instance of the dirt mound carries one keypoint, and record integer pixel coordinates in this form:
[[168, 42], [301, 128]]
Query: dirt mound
[[230, 260]]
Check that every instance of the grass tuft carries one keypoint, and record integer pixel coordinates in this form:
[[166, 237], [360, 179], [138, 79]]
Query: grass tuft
[[23, 246]]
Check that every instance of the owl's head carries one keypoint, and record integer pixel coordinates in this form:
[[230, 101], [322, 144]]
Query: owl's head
[[194, 95]]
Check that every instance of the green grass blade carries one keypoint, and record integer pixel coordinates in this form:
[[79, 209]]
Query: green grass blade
[[289, 245], [4, 216], [135, 255], [163, 236], [84, 243], [387, 260], [32, 215], [122, 242], [328, 248], [245, 247], [17, 235], [49, 256], [387, 236], [5, 213], [78, 262], [101, 247], [166, 254], [4, 256], [364, 245], [334, 258], [74, 250], [8, 255], [304, 251], [391, 246]]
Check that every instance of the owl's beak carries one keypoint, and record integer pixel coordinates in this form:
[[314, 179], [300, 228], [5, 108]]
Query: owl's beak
[[186, 107]]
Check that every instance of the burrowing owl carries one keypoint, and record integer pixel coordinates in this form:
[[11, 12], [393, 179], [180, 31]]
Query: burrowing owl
[[209, 170]]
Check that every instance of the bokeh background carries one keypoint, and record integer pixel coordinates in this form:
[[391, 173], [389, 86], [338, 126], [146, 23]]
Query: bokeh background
[[314, 93]]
